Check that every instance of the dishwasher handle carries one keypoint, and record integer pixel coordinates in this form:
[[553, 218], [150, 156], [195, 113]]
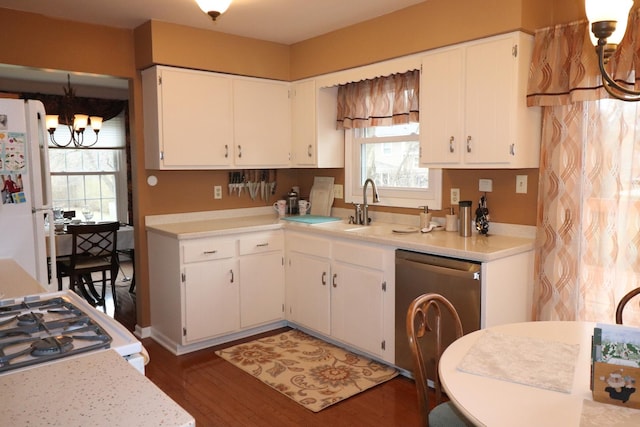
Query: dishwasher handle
[[471, 272]]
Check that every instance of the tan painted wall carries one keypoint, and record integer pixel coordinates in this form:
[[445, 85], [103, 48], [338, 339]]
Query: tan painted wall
[[188, 47], [42, 42]]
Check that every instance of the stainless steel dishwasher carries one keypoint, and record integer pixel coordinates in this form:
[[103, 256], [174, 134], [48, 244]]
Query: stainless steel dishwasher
[[457, 280]]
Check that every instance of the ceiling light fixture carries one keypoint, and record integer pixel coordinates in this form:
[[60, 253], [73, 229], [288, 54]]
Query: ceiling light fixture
[[214, 8], [76, 126], [608, 19]]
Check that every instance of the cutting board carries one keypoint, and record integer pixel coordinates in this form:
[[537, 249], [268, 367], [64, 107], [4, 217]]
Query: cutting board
[[319, 199], [311, 219]]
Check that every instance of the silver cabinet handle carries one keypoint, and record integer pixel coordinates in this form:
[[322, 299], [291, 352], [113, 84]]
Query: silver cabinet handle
[[324, 278], [469, 144], [333, 281], [210, 252], [309, 153], [239, 151], [512, 149], [231, 271], [262, 245], [226, 151], [451, 141]]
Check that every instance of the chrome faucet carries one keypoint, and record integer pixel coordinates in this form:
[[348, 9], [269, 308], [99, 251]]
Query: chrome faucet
[[365, 206]]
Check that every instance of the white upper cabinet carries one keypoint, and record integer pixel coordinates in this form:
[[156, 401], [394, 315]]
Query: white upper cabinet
[[262, 123], [473, 111], [188, 119], [315, 140], [203, 120]]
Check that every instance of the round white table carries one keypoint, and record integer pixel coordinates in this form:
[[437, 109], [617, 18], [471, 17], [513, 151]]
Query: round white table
[[493, 402]]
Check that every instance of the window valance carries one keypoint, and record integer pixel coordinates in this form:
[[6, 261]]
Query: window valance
[[383, 101]]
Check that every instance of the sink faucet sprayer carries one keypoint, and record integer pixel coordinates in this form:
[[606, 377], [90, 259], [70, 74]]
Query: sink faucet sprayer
[[365, 208]]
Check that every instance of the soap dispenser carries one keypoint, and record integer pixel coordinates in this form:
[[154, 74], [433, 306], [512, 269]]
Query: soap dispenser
[[425, 217]]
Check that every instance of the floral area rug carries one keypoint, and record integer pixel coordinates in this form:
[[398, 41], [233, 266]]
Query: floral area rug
[[312, 372]]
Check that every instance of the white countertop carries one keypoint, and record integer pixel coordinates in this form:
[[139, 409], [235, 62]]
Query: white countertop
[[97, 389], [15, 282], [445, 243]]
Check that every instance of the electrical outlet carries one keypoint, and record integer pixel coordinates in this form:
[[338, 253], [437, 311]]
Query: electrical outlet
[[338, 191], [455, 196], [521, 184], [217, 192]]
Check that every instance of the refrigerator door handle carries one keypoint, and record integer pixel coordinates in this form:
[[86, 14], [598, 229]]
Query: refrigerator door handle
[[42, 201]]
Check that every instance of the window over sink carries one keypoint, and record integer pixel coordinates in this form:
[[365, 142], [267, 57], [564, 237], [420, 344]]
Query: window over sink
[[390, 156]]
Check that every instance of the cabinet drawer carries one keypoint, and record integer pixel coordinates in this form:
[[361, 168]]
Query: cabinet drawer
[[309, 245], [207, 249], [264, 242], [358, 254]]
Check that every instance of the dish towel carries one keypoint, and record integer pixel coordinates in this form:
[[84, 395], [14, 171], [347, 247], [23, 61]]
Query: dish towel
[[530, 361]]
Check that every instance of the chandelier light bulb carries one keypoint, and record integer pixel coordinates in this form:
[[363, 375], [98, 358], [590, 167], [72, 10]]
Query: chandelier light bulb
[[96, 123], [51, 121], [80, 122], [606, 11]]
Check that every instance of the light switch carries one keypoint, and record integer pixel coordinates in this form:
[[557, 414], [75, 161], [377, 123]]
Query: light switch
[[485, 185], [338, 191], [521, 184]]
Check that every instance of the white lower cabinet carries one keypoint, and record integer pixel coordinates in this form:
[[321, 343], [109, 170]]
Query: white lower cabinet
[[341, 289], [308, 278], [262, 279], [206, 289], [211, 299], [357, 300]]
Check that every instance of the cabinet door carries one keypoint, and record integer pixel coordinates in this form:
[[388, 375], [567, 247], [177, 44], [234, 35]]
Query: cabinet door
[[261, 288], [196, 125], [490, 101], [357, 306], [262, 123], [315, 140], [309, 281], [303, 126], [211, 299], [441, 107]]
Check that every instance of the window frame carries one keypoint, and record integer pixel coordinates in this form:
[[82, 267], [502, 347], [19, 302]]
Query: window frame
[[431, 197], [118, 147]]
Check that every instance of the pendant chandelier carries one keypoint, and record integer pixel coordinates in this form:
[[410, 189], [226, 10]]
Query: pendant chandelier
[[76, 122], [608, 19]]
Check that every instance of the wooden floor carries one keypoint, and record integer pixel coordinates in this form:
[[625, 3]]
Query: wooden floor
[[218, 394]]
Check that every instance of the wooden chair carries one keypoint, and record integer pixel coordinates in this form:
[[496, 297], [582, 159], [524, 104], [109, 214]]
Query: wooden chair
[[93, 250], [623, 302], [424, 330]]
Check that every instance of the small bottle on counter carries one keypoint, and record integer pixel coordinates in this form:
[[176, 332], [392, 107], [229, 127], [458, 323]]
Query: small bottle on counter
[[451, 221], [425, 217]]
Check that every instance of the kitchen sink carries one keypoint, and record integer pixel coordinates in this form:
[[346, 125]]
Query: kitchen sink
[[375, 229]]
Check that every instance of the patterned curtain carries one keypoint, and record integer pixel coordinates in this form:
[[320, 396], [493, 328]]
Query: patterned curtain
[[588, 238], [383, 101]]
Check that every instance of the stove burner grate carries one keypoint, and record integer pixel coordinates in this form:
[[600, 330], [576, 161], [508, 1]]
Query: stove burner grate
[[52, 345], [38, 331], [29, 319]]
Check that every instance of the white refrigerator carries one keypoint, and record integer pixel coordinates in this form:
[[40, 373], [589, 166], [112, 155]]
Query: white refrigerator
[[26, 189]]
